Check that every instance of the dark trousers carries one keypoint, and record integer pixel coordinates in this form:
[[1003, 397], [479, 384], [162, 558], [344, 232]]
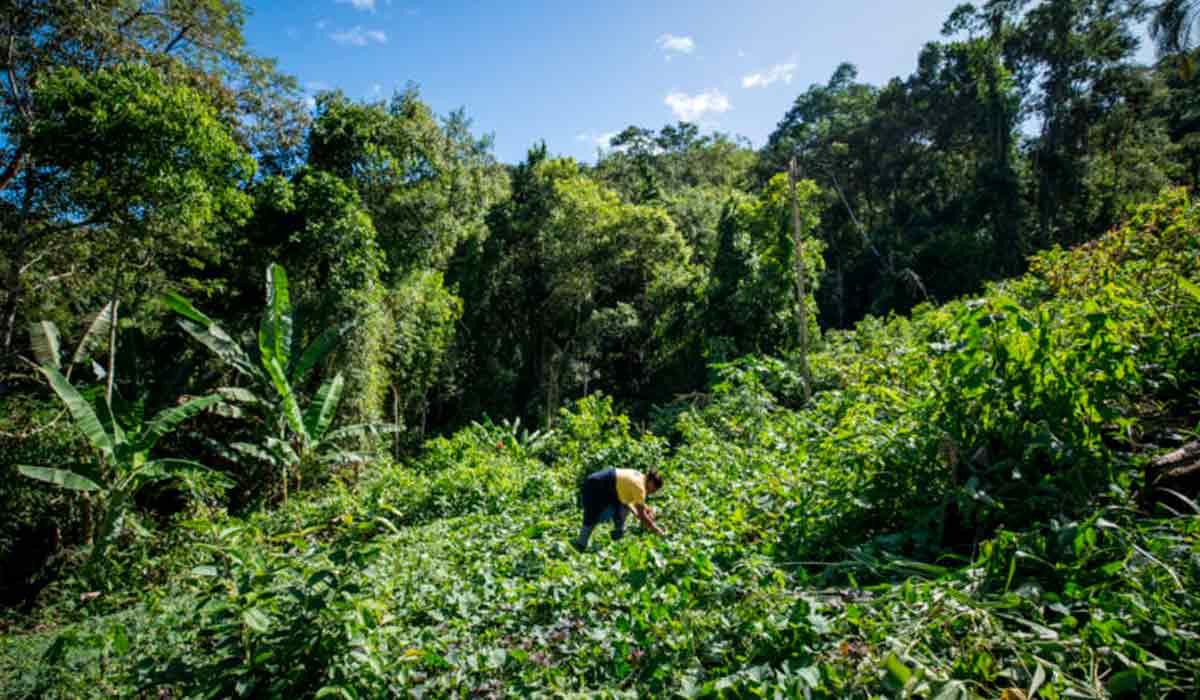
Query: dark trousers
[[598, 496]]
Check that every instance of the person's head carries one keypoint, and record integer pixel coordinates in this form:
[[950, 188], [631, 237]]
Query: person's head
[[654, 481]]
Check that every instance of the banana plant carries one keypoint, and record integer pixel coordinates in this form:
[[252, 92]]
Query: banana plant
[[124, 463], [296, 438]]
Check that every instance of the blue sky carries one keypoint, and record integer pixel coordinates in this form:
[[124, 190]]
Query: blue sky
[[573, 72]]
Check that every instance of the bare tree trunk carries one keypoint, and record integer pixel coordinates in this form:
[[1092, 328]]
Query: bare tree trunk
[[16, 259], [112, 354], [801, 299], [396, 422]]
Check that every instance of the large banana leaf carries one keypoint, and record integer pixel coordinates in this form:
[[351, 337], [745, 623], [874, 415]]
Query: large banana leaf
[[85, 418], [323, 407], [283, 450], [254, 451], [216, 339], [168, 467], [238, 394], [275, 329], [218, 448], [98, 326], [44, 339], [184, 308], [59, 477], [167, 419], [291, 408]]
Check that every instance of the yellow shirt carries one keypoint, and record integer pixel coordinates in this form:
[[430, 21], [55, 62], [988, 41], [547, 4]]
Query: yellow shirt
[[631, 487]]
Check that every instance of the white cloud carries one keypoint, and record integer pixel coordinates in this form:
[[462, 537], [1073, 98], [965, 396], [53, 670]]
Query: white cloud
[[690, 108], [359, 36], [777, 72], [359, 4], [599, 140], [672, 44]]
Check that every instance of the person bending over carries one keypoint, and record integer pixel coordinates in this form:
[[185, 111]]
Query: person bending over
[[610, 495]]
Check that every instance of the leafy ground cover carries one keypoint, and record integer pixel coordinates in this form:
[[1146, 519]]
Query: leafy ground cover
[[953, 515]]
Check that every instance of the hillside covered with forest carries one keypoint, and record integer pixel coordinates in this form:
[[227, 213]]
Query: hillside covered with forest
[[296, 398]]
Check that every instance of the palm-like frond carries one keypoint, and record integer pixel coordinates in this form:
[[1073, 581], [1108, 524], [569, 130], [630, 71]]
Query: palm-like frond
[[98, 326], [323, 407], [59, 477], [275, 329], [85, 418], [216, 339], [167, 419], [183, 307], [44, 339], [287, 397]]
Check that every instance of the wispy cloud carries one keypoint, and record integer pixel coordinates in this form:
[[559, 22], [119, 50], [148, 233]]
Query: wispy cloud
[[690, 108], [599, 140], [359, 36], [368, 5], [777, 72], [672, 45]]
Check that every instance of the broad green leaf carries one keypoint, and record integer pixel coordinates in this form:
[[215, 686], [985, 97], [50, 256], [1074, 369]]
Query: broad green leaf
[[896, 670], [1188, 286], [168, 467], [59, 477], [254, 451], [256, 620], [184, 308], [291, 408], [44, 339], [282, 451], [239, 394], [275, 329], [120, 640], [323, 407], [167, 419], [85, 418], [98, 326], [216, 339]]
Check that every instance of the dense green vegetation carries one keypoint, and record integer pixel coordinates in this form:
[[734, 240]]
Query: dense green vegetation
[[324, 434]]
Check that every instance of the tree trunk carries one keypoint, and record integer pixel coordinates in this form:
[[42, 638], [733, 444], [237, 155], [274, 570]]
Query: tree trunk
[[16, 259], [801, 300]]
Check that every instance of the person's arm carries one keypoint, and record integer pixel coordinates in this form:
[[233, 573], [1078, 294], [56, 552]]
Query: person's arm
[[646, 516]]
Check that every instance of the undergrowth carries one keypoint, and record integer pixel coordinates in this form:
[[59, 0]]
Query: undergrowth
[[953, 515]]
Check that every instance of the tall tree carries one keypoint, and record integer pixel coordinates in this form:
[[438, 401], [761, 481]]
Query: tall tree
[[198, 42]]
